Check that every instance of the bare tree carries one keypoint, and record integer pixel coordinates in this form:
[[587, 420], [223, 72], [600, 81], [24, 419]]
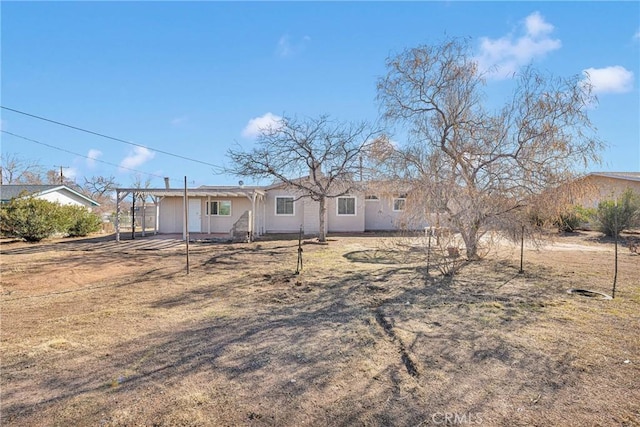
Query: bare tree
[[99, 187], [16, 170], [480, 168], [57, 177], [141, 185], [318, 157]]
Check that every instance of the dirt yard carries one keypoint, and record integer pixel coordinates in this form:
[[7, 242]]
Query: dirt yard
[[99, 333]]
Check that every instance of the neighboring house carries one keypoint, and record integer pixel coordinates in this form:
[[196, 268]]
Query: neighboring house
[[607, 186], [54, 193], [246, 211]]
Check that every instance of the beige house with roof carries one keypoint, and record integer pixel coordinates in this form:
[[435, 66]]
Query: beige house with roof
[[607, 186]]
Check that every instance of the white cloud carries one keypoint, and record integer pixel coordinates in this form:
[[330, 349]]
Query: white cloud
[[287, 47], [536, 25], [257, 125], [92, 155], [636, 36], [136, 157], [70, 173], [501, 57], [177, 121], [614, 79]]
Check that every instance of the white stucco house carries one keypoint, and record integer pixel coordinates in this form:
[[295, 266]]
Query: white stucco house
[[53, 193], [241, 211]]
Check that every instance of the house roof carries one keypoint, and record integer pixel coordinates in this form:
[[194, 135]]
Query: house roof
[[11, 191], [627, 176]]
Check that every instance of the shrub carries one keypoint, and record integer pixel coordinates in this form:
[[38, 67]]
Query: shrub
[[35, 219], [29, 218], [616, 216], [79, 221], [573, 219]]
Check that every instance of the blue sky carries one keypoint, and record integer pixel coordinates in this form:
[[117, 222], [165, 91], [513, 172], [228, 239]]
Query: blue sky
[[198, 78]]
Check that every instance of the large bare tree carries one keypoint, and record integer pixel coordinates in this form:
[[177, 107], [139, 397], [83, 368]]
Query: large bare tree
[[480, 168], [318, 157]]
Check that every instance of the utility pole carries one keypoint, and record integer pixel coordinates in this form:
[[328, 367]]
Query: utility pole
[[61, 175]]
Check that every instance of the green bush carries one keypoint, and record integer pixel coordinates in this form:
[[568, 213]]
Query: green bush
[[35, 219], [79, 221], [573, 219], [31, 219], [615, 216]]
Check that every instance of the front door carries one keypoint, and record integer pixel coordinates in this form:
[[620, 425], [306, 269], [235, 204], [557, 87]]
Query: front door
[[195, 216]]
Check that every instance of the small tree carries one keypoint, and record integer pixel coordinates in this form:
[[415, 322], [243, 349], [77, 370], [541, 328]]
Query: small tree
[[615, 216], [319, 158], [31, 219]]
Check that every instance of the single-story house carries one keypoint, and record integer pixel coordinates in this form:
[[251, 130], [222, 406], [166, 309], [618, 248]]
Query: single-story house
[[602, 186], [245, 211], [54, 193]]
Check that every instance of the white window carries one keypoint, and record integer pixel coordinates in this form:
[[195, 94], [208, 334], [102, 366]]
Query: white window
[[219, 208], [346, 205], [398, 204], [284, 205]]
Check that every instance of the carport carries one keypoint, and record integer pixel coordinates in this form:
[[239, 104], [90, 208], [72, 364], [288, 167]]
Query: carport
[[255, 216]]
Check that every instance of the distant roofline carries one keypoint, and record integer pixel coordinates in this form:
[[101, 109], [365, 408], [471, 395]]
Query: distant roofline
[[49, 188], [627, 176]]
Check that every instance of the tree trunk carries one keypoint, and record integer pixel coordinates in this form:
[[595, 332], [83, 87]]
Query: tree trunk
[[322, 211], [470, 238]]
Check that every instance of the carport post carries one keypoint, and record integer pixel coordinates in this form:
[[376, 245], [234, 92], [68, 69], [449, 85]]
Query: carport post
[[144, 216], [117, 216], [156, 223]]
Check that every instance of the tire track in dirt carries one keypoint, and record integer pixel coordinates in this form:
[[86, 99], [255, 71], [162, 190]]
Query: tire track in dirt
[[387, 326]]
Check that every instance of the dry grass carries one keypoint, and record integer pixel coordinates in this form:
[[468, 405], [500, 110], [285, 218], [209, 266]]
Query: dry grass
[[116, 335]]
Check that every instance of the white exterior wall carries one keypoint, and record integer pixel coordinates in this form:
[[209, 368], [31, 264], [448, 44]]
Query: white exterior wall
[[311, 220], [345, 223], [64, 199], [284, 223], [379, 214], [172, 214]]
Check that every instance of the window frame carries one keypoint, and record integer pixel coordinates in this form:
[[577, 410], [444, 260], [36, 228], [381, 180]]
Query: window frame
[[209, 205], [293, 206], [355, 206], [398, 199]]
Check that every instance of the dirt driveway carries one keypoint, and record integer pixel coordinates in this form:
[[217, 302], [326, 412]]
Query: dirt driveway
[[103, 333]]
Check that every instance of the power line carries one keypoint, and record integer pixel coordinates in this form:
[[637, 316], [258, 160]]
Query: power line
[[109, 137], [80, 155]]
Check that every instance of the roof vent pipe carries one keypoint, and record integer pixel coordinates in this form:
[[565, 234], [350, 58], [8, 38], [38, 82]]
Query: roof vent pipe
[[166, 182]]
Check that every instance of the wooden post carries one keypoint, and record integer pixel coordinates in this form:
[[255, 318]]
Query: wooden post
[[429, 248], [521, 251], [117, 224], [133, 217], [615, 248], [144, 216], [299, 265], [208, 212], [156, 225], [186, 220]]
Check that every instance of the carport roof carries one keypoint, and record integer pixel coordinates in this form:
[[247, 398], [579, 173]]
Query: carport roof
[[203, 191]]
